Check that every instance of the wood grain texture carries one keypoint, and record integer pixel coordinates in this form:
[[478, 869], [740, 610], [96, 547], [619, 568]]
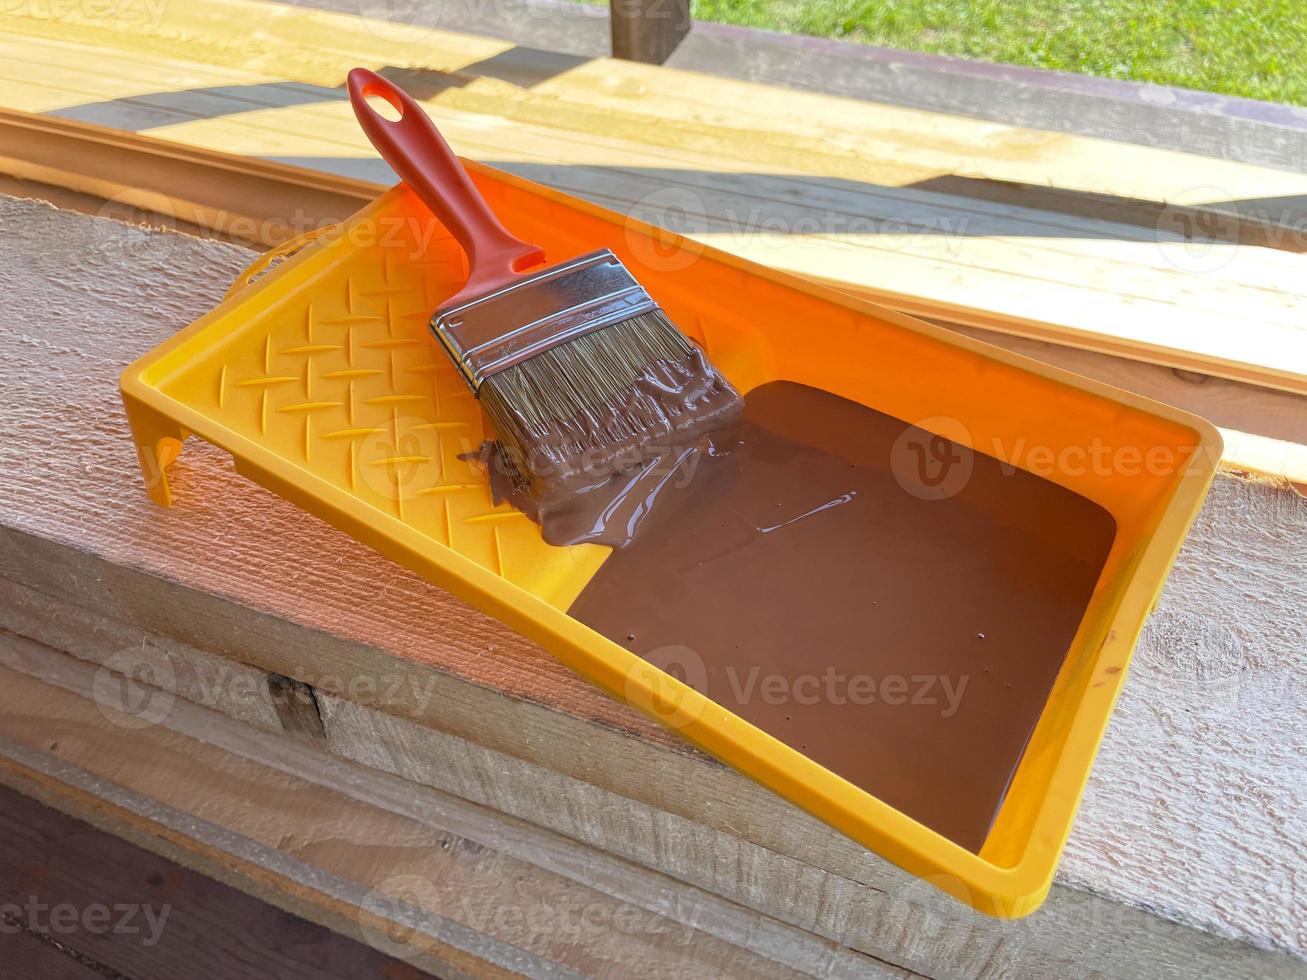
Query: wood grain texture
[[122, 174], [1116, 109], [1074, 935], [483, 883], [234, 576], [1218, 694], [30, 957], [939, 215], [194, 925], [214, 194]]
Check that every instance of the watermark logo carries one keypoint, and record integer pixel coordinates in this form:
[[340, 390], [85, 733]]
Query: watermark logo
[[1201, 229], [931, 460], [402, 460], [1193, 235], [397, 21], [773, 225], [139, 227], [133, 688], [834, 687], [384, 691], [126, 230], [676, 209], [398, 908], [668, 682]]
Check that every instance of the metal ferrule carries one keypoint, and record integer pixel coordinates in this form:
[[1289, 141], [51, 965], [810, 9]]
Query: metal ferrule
[[505, 326]]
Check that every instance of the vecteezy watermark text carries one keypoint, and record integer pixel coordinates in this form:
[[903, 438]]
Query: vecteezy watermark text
[[397, 917], [934, 459], [672, 682], [95, 918], [688, 212], [834, 687]]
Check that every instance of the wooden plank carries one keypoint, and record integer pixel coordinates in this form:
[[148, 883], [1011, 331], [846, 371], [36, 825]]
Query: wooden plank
[[238, 198], [1074, 935], [1116, 109], [235, 859], [1248, 273], [1133, 288], [648, 30], [231, 196], [90, 896], [32, 957], [315, 47], [1232, 406], [221, 94], [380, 848], [416, 684], [1113, 108]]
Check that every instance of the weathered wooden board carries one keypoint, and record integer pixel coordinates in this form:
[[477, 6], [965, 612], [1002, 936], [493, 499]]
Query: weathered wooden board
[[132, 177], [981, 223], [30, 958], [105, 908], [894, 917], [456, 701], [445, 873]]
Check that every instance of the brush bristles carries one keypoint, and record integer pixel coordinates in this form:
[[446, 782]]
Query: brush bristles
[[562, 383], [578, 406]]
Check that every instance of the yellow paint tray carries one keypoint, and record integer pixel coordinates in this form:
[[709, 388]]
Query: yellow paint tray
[[322, 381]]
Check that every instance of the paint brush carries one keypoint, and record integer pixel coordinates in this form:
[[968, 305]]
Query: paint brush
[[578, 370]]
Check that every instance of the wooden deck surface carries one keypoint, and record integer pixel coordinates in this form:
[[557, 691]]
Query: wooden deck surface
[[1048, 235]]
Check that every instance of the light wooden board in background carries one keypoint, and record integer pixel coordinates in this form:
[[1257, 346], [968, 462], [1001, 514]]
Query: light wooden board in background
[[975, 222]]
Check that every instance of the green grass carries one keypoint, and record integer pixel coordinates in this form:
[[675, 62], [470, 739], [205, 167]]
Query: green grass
[[1254, 48]]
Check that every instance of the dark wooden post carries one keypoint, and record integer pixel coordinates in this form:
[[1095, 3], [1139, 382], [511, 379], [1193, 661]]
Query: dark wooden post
[[648, 30]]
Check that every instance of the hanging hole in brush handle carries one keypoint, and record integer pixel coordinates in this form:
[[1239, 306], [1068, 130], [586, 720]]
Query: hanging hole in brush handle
[[417, 152]]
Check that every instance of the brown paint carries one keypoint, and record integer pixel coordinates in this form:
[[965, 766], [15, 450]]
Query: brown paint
[[797, 550], [608, 510]]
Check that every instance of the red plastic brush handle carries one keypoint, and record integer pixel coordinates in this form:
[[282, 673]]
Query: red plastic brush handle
[[417, 152]]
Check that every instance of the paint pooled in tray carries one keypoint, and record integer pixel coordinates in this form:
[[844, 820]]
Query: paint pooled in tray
[[901, 628]]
